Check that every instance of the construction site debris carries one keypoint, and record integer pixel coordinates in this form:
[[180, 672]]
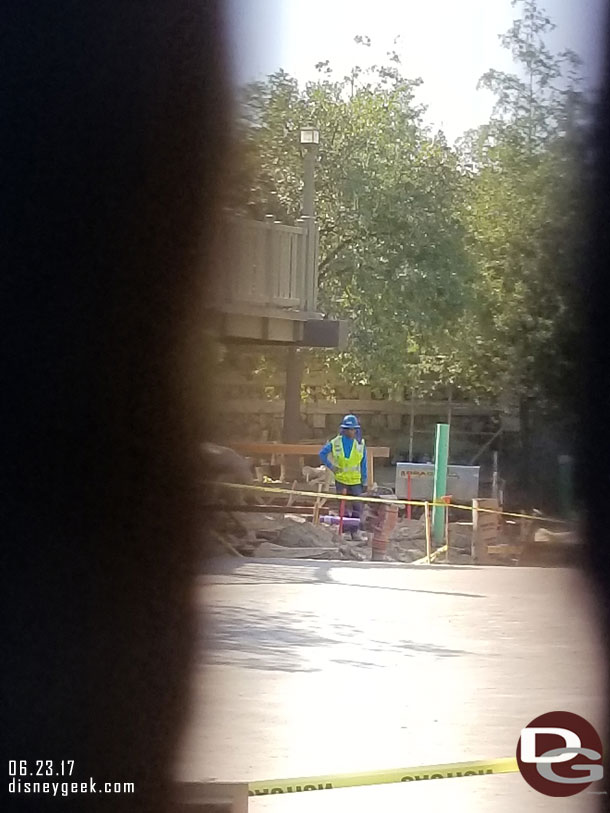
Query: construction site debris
[[269, 550], [316, 474], [306, 536], [407, 542], [353, 553]]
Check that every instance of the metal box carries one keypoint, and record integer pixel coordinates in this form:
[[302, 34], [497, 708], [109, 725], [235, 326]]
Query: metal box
[[462, 481]]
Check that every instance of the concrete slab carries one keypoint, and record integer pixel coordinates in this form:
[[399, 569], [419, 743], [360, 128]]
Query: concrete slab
[[320, 667]]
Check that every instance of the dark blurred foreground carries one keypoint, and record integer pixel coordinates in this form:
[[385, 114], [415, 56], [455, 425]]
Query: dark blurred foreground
[[114, 128]]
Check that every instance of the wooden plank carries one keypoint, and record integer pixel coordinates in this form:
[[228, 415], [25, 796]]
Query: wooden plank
[[504, 549], [291, 497], [281, 330], [317, 507]]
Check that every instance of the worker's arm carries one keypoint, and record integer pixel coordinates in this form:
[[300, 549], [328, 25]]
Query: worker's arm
[[363, 469], [324, 452]]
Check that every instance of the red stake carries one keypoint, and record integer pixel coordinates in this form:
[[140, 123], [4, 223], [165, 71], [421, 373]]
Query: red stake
[[409, 494]]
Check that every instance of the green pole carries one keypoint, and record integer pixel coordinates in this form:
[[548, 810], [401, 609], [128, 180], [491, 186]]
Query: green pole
[[441, 460]]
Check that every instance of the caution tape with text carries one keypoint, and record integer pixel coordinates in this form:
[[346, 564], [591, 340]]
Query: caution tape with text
[[450, 770], [382, 501]]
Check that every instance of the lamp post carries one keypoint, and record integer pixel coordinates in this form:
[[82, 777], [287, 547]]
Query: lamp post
[[309, 139]]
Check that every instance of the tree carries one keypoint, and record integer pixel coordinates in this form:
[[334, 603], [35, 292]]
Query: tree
[[525, 218], [453, 266], [524, 223], [393, 260]]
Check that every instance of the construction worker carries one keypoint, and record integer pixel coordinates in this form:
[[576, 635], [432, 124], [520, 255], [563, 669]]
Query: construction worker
[[348, 453]]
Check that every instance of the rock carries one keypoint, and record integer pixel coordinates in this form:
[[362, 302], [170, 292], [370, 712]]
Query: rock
[[223, 464], [407, 531], [360, 541], [269, 550], [407, 541], [458, 557], [460, 536], [413, 553], [408, 556], [260, 522], [306, 536], [219, 465], [349, 552]]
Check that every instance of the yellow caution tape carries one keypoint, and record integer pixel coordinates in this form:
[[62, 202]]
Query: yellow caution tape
[[382, 501], [451, 770]]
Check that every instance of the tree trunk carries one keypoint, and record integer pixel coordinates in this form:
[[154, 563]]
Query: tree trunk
[[526, 443], [291, 431]]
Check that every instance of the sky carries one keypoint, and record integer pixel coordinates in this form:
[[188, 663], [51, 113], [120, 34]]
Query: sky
[[448, 43]]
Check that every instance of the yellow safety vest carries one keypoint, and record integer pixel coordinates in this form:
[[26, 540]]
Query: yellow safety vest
[[347, 468]]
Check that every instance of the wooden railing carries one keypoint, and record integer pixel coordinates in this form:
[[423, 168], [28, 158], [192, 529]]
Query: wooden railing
[[267, 263]]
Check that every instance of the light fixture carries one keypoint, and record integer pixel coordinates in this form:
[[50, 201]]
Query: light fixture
[[310, 135]]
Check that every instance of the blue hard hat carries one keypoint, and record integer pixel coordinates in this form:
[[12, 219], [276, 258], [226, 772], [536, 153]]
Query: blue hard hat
[[350, 422]]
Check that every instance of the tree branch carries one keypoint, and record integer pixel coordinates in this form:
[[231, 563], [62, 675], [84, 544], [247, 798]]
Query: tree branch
[[333, 255]]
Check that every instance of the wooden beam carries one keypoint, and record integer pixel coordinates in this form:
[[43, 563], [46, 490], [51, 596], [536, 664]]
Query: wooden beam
[[247, 309], [259, 449]]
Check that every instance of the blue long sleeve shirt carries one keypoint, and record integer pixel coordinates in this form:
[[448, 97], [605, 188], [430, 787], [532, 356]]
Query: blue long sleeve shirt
[[347, 450]]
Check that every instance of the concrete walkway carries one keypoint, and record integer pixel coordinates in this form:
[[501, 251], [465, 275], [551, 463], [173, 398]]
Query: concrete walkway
[[331, 667]]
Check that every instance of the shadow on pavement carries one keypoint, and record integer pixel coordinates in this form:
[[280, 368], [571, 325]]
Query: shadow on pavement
[[284, 641], [308, 571]]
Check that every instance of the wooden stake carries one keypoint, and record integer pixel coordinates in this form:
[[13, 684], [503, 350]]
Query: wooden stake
[[474, 551], [291, 497], [316, 507], [428, 535]]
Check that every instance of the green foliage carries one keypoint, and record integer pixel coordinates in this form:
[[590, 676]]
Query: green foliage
[[524, 218], [388, 198], [454, 266]]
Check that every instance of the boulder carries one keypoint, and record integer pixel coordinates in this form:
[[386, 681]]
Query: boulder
[[306, 536]]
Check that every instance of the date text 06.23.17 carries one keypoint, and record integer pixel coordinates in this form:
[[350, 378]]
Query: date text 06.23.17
[[40, 767]]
